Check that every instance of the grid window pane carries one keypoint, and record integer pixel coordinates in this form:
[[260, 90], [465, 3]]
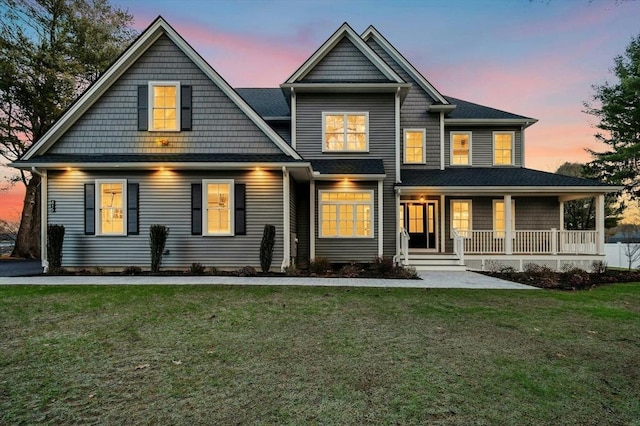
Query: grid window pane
[[164, 107], [111, 208], [346, 214], [218, 208], [345, 132], [414, 147], [461, 143], [460, 216], [503, 148]]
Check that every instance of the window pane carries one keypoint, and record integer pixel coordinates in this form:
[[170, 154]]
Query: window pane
[[503, 148], [218, 208], [164, 107], [460, 148], [413, 147], [460, 217], [345, 132], [111, 208]]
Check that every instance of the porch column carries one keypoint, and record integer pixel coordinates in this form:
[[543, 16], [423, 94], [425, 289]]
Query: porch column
[[561, 215], [443, 240], [600, 223], [380, 219], [397, 227], [312, 220], [286, 212], [508, 233]]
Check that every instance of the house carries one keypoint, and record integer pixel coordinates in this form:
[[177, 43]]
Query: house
[[354, 156]]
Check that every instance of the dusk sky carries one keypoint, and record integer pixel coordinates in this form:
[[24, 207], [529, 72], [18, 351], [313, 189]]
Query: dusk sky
[[534, 58]]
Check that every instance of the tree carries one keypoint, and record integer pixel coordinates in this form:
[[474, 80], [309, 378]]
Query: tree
[[617, 107], [581, 214], [631, 243], [50, 51]]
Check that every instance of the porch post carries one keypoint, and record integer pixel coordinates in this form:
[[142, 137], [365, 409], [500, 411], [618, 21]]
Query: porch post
[[312, 220], [508, 233], [397, 226], [443, 240], [380, 219], [562, 215], [600, 223], [286, 212]]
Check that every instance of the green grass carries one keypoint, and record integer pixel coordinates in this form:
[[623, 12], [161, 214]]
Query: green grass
[[220, 355]]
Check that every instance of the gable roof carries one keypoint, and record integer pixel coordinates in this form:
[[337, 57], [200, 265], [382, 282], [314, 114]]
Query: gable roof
[[128, 58], [344, 31], [372, 32], [270, 103], [470, 110]]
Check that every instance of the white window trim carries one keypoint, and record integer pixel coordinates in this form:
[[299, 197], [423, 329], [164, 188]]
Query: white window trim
[[513, 148], [205, 208], [152, 84], [98, 202], [345, 113], [513, 217], [321, 203], [451, 214], [424, 145], [468, 133]]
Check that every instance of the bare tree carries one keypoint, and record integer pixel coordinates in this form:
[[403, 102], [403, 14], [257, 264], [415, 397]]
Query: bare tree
[[631, 242]]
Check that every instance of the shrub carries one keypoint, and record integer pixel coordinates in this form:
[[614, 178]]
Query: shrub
[[383, 265], [132, 270], [55, 238], [319, 266], [196, 269], [213, 270], [352, 270], [291, 270], [247, 271], [598, 267], [98, 270], [266, 247], [408, 272], [575, 277], [157, 239]]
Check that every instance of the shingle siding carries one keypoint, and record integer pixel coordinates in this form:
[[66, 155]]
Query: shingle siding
[[110, 125], [164, 199], [482, 144]]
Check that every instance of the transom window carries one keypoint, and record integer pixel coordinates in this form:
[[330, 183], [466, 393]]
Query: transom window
[[499, 221], [414, 141], [460, 148], [110, 207], [461, 216], [503, 148], [218, 203], [346, 214], [345, 131], [165, 106]]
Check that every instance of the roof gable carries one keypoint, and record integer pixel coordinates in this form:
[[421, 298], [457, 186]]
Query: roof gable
[[137, 49], [325, 57]]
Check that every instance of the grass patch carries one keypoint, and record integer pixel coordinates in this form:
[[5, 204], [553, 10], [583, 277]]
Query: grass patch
[[215, 354]]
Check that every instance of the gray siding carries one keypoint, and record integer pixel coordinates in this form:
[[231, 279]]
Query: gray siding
[[414, 115], [165, 198], [344, 63], [303, 218], [110, 125], [482, 144]]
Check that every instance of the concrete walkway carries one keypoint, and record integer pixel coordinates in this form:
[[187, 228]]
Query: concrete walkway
[[429, 280]]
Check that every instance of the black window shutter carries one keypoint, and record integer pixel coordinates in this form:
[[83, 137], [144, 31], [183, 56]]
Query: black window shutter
[[240, 209], [143, 107], [196, 209], [185, 108], [90, 208], [133, 216]]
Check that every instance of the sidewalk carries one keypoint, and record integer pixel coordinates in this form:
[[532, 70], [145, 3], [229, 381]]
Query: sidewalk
[[429, 280]]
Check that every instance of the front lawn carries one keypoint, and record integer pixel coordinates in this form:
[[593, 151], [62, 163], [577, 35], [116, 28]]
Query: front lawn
[[229, 355]]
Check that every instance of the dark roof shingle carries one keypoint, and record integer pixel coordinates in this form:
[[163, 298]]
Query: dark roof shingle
[[465, 109], [160, 158], [268, 102], [339, 166]]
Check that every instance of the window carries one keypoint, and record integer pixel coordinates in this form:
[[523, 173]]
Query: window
[[218, 205], [499, 220], [346, 214], [461, 148], [345, 131], [503, 148], [164, 99], [461, 216], [414, 149], [111, 207]]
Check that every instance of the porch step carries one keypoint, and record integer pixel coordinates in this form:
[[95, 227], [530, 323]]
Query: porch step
[[435, 262]]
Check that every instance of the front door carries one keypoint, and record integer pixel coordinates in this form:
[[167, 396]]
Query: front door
[[420, 220]]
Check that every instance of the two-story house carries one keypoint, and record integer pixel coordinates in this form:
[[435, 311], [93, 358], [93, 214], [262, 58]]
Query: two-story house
[[354, 156]]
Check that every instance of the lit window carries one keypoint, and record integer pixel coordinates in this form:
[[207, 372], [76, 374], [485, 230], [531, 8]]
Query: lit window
[[414, 146], [111, 207], [461, 216], [503, 148], [461, 148], [346, 214], [219, 205], [499, 220], [165, 106], [345, 132]]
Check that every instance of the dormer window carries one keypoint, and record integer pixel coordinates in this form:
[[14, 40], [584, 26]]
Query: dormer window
[[345, 132], [164, 99]]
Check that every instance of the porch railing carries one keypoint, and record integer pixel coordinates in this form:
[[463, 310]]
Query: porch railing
[[551, 241], [458, 246]]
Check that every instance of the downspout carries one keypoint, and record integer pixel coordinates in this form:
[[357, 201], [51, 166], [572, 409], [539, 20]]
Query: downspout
[[522, 156], [293, 118], [44, 209], [397, 141]]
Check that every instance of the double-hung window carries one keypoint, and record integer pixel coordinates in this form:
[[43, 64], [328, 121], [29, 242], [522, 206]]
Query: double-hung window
[[111, 208], [499, 218], [164, 102], [461, 148], [461, 217], [503, 148], [414, 146], [346, 214], [218, 206], [345, 132]]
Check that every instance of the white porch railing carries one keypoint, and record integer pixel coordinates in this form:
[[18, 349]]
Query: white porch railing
[[529, 242], [458, 246], [404, 246]]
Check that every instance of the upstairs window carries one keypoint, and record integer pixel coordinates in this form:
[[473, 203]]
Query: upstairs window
[[503, 148], [344, 132], [164, 99], [414, 146], [460, 148]]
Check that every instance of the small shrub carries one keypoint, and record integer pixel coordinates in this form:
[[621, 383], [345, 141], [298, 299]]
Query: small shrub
[[55, 238], [352, 270], [266, 247], [575, 277], [196, 269], [408, 272], [320, 266], [247, 271], [213, 270], [291, 271], [383, 265], [598, 267], [157, 239], [132, 270]]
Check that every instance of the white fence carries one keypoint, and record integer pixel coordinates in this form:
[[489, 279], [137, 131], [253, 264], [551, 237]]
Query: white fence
[[614, 256]]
